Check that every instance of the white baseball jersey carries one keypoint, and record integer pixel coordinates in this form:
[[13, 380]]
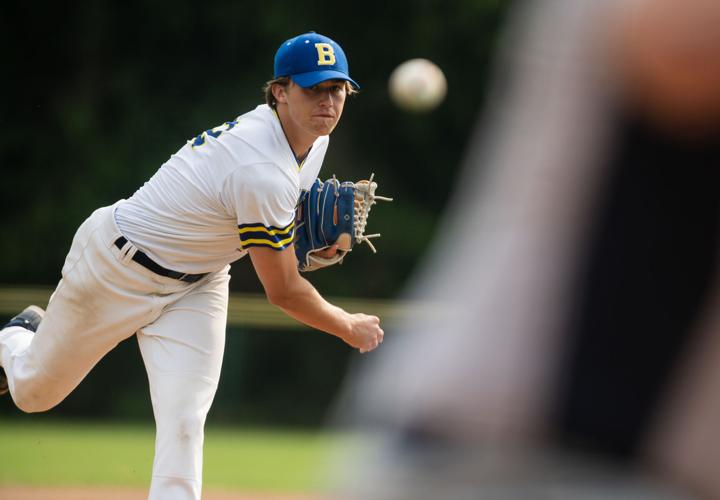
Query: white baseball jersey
[[233, 187]]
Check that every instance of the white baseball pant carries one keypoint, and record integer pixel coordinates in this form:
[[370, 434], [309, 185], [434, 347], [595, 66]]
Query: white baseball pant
[[105, 297]]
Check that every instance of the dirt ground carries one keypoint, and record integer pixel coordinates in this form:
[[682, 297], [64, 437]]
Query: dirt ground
[[32, 493]]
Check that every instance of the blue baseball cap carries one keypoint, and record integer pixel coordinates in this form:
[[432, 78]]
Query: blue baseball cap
[[310, 59]]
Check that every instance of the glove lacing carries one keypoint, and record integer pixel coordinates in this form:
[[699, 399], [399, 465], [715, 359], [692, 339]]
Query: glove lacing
[[365, 198]]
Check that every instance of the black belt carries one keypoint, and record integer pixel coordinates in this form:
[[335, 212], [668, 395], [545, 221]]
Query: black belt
[[153, 266]]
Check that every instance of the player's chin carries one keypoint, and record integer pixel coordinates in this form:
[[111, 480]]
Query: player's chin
[[323, 125]]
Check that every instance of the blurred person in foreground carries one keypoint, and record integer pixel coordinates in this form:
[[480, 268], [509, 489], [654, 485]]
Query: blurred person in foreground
[[157, 264], [574, 349]]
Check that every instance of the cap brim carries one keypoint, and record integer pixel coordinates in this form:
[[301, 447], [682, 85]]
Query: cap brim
[[312, 78]]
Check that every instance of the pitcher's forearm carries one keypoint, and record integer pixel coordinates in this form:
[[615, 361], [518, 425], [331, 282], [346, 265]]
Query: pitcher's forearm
[[292, 293], [303, 303]]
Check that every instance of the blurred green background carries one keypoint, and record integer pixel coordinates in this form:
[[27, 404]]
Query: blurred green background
[[98, 94], [50, 452]]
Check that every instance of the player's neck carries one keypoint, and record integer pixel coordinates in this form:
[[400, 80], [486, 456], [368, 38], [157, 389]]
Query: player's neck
[[299, 140]]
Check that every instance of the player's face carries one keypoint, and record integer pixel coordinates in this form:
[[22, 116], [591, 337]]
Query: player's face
[[316, 110]]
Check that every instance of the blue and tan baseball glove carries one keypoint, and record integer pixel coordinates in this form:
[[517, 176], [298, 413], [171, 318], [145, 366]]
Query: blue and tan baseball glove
[[333, 212]]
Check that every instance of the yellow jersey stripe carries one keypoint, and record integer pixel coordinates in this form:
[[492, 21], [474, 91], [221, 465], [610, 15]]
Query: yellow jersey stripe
[[274, 244]]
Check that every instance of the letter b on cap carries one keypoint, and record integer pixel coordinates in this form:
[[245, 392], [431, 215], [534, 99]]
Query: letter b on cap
[[326, 54]]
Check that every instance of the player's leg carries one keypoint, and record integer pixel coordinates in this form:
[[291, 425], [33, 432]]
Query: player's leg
[[183, 353], [99, 302], [28, 321]]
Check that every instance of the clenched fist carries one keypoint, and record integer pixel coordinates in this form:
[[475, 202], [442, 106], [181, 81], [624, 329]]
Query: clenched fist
[[365, 332]]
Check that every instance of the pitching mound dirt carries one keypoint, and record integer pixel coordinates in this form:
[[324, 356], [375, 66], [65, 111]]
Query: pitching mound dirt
[[32, 493]]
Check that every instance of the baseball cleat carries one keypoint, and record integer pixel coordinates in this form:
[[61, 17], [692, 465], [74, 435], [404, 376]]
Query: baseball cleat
[[29, 319]]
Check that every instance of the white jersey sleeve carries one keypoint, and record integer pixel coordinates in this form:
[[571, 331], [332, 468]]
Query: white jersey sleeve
[[263, 199]]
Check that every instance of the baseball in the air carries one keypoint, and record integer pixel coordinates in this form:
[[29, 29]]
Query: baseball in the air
[[417, 85]]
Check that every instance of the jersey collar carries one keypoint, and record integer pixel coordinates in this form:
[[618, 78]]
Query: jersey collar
[[299, 160]]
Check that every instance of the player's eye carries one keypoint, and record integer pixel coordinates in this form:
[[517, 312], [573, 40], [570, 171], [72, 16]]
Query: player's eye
[[334, 89]]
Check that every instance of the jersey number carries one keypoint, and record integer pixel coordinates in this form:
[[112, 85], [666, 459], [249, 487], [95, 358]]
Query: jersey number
[[213, 132]]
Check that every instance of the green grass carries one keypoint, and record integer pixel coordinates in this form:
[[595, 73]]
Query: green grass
[[49, 453]]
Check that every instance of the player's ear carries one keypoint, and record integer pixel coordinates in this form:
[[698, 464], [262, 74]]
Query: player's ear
[[279, 92]]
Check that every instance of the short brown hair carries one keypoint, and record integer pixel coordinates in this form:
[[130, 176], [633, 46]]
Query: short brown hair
[[285, 81]]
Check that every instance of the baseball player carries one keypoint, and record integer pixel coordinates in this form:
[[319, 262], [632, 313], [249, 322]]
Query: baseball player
[[156, 265]]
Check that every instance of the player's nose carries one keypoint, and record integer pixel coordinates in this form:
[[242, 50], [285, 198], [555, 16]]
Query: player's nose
[[326, 98]]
